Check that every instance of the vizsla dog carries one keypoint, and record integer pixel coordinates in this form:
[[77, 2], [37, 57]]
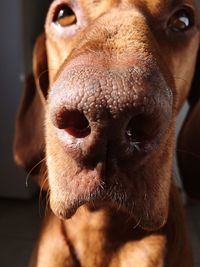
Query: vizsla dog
[[110, 77]]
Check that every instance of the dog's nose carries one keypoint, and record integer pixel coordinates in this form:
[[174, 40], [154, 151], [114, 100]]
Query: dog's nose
[[139, 127], [73, 121], [95, 109]]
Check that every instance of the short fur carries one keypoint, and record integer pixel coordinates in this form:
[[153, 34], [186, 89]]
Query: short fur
[[113, 199]]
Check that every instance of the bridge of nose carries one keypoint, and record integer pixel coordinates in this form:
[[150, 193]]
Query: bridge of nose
[[98, 93]]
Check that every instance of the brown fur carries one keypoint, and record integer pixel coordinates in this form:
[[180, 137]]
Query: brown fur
[[114, 206]]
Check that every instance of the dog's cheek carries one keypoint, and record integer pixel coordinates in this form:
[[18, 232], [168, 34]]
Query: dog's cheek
[[56, 163], [155, 209], [158, 178]]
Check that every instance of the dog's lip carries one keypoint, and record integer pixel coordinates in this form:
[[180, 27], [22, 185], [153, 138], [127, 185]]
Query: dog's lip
[[67, 212]]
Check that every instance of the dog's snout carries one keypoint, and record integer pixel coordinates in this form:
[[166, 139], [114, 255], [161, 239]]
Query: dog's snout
[[100, 108]]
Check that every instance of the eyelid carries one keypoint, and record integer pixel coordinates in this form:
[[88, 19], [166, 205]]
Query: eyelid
[[58, 31]]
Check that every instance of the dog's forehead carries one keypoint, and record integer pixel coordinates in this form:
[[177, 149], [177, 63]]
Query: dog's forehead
[[149, 3], [145, 3], [94, 8]]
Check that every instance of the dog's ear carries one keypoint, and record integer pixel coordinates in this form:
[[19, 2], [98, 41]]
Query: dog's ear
[[29, 131], [189, 140]]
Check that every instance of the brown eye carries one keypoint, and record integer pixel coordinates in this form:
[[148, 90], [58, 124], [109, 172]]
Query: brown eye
[[65, 16], [181, 21]]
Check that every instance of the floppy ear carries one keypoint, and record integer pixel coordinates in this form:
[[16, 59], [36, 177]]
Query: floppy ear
[[189, 140], [29, 131]]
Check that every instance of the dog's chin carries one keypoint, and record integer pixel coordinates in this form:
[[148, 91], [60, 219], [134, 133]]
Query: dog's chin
[[66, 210], [67, 206], [114, 198]]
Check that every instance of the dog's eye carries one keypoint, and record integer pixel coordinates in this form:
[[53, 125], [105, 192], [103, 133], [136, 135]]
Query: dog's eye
[[181, 21], [65, 16]]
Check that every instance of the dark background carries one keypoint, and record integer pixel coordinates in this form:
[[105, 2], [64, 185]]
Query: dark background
[[20, 22]]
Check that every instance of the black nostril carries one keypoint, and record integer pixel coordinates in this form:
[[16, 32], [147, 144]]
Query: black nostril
[[141, 128], [73, 122]]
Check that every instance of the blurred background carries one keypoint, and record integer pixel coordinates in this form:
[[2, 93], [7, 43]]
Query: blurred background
[[20, 216], [20, 22]]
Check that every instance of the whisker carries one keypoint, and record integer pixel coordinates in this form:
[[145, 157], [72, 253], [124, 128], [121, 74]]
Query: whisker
[[34, 167], [197, 156], [47, 202], [41, 193], [43, 73], [137, 223]]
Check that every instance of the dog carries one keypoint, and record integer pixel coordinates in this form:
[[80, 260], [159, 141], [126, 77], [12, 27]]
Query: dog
[[98, 114]]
